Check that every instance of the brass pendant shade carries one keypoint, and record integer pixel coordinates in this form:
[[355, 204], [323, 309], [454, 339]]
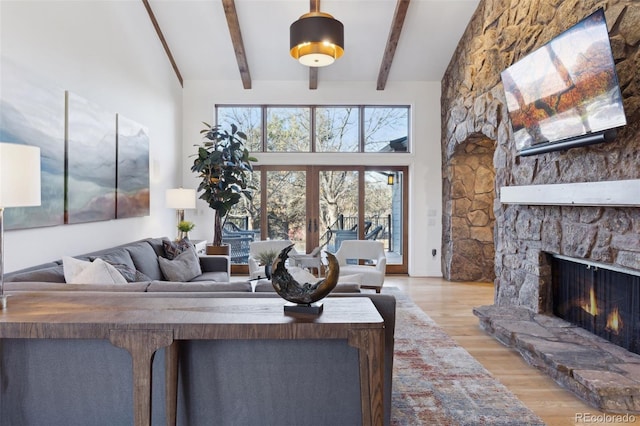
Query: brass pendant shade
[[316, 39]]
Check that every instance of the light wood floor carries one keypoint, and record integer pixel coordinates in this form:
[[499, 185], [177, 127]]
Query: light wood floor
[[450, 305]]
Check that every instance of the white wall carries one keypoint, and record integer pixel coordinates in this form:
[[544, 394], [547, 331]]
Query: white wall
[[106, 52], [425, 193]]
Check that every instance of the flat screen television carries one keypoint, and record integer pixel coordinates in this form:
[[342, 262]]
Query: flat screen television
[[565, 93]]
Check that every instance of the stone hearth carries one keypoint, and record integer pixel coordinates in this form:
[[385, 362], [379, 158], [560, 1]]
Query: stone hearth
[[605, 375]]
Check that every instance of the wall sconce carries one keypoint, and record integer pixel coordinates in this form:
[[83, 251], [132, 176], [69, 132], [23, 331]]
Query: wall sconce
[[180, 199], [19, 187], [391, 179]]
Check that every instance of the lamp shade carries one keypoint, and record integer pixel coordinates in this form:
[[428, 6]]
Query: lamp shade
[[181, 198], [316, 39], [19, 175]]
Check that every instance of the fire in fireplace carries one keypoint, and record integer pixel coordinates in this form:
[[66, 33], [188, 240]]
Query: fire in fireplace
[[599, 298]]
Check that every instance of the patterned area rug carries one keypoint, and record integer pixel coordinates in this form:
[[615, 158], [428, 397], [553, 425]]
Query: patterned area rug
[[437, 382]]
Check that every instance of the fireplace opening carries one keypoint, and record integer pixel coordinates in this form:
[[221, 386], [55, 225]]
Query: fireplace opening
[[601, 299]]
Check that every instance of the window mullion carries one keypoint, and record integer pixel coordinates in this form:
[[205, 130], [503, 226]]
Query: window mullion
[[312, 128], [361, 127]]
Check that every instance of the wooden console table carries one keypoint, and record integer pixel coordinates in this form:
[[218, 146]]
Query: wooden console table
[[142, 325]]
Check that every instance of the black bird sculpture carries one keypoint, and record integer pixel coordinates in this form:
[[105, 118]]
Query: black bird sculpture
[[307, 293]]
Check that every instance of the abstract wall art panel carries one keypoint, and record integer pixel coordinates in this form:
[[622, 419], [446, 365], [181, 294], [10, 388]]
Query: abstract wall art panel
[[91, 162], [32, 113], [133, 169]]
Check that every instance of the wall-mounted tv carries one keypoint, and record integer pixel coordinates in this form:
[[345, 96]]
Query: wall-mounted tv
[[565, 93]]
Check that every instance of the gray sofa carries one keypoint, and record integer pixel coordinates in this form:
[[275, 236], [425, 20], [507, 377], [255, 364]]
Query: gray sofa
[[231, 382], [139, 255]]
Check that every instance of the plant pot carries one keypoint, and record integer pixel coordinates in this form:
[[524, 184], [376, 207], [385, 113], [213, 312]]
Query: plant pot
[[267, 271], [218, 250]]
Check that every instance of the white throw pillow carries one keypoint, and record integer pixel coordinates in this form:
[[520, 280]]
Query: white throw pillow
[[72, 267], [96, 272]]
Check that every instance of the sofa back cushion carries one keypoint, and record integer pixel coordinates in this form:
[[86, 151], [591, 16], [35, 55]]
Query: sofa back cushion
[[144, 255], [51, 274]]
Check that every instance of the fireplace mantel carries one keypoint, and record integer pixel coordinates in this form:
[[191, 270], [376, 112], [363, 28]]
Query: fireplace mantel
[[617, 193]]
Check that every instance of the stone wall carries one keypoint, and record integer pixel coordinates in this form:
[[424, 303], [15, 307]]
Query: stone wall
[[470, 249], [473, 108]]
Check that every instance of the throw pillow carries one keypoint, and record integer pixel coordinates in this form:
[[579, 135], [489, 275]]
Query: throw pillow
[[130, 274], [173, 248], [96, 272], [141, 276], [72, 267], [184, 267]]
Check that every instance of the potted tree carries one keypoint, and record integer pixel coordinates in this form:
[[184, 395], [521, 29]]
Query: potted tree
[[224, 166]]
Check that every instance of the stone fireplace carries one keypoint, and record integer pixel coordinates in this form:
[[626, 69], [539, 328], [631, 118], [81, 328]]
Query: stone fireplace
[[474, 118]]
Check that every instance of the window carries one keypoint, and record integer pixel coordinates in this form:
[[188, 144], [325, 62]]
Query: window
[[248, 118], [320, 128], [336, 129], [386, 129], [288, 129]]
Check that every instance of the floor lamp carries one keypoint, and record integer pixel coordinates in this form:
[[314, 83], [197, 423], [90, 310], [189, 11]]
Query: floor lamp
[[181, 199], [19, 187]]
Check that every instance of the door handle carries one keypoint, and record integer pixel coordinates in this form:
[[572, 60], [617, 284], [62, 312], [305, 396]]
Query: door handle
[[309, 226], [315, 222]]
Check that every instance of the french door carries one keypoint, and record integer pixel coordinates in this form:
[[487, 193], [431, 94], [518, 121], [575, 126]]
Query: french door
[[321, 206]]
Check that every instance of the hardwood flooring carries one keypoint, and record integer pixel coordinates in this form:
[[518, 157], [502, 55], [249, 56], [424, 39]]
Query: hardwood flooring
[[450, 305]]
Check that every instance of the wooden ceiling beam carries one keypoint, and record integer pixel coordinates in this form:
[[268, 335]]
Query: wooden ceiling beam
[[392, 42], [236, 39], [154, 21]]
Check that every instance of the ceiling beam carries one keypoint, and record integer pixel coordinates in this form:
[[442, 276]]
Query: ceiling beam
[[236, 39], [392, 42], [162, 40]]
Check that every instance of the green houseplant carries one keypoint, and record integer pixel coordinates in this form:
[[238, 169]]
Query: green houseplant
[[184, 226], [224, 166]]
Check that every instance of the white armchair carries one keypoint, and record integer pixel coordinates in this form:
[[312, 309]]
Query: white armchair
[[368, 250], [256, 247]]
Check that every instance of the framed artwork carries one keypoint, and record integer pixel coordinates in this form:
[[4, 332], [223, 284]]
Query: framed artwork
[[132, 185], [32, 112], [91, 162]]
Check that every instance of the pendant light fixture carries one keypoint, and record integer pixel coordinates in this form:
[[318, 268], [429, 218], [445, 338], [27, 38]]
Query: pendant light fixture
[[316, 39]]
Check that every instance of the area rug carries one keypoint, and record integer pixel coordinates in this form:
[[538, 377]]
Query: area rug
[[437, 382]]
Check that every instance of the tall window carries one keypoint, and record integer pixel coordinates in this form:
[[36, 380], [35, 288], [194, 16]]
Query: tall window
[[320, 128]]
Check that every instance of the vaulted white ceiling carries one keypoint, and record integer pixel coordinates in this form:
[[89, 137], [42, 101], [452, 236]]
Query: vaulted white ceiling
[[198, 37]]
